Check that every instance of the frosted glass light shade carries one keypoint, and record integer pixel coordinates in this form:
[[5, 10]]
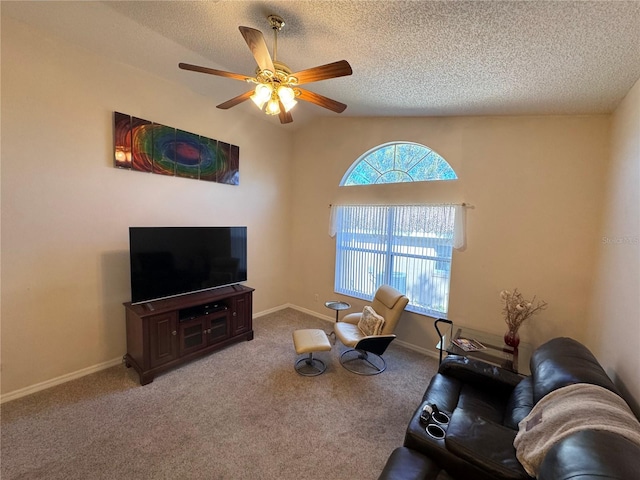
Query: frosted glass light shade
[[273, 107], [287, 97], [262, 94]]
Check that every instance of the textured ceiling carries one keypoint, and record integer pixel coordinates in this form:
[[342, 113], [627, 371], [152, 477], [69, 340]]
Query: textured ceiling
[[409, 58]]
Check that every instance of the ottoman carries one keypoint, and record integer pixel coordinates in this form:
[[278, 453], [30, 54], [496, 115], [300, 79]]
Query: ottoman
[[308, 341]]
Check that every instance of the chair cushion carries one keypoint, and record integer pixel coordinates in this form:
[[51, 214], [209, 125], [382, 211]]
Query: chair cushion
[[310, 340], [388, 296], [348, 333], [370, 322]]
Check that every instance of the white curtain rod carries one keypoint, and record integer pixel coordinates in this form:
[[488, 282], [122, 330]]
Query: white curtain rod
[[463, 204]]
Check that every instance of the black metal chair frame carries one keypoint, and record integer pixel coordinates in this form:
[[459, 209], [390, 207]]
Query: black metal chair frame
[[373, 345]]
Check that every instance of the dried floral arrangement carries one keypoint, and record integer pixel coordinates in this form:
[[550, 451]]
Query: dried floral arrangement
[[517, 309]]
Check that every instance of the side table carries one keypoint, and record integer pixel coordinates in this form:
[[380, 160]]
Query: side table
[[494, 350], [337, 306]]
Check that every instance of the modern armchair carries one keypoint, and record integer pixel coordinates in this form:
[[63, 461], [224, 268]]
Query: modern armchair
[[365, 355]]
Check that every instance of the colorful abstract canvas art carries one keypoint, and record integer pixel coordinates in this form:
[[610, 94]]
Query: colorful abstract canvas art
[[187, 154], [145, 146], [164, 149], [234, 165], [209, 159], [122, 138], [228, 172], [141, 145]]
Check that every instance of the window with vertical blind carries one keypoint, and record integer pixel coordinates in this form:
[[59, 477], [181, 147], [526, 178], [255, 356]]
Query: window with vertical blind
[[409, 247], [406, 246]]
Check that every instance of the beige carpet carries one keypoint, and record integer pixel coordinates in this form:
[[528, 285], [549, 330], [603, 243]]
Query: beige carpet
[[240, 413]]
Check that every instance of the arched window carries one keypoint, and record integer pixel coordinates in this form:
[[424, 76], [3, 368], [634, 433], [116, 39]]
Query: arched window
[[398, 162], [409, 247]]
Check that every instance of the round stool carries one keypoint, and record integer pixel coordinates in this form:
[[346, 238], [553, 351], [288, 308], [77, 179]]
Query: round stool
[[308, 341]]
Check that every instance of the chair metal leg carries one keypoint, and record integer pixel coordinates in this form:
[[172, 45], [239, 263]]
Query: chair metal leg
[[363, 356], [309, 366]]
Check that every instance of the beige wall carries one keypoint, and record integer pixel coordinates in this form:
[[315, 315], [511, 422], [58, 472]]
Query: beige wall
[[542, 189], [614, 314], [535, 184], [66, 210]]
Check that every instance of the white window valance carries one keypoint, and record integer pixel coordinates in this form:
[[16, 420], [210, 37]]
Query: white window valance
[[440, 219]]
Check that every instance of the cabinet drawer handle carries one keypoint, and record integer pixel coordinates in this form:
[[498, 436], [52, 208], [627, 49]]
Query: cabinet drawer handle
[[174, 333], [235, 314]]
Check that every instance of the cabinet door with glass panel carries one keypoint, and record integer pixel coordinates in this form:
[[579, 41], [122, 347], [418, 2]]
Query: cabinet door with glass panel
[[202, 331]]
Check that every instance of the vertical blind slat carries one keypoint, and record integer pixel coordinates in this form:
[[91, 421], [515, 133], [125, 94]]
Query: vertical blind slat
[[408, 247]]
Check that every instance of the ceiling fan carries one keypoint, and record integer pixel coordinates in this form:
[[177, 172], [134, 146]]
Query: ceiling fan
[[277, 89]]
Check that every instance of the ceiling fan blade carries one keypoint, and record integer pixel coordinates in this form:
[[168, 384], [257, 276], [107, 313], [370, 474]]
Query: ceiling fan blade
[[285, 117], [236, 100], [331, 70], [212, 71], [258, 47], [321, 101]]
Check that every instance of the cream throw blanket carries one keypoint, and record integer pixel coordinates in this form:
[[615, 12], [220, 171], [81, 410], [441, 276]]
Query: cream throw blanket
[[568, 410]]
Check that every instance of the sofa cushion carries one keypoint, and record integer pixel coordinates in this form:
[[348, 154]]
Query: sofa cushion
[[485, 444], [480, 374], [483, 403], [564, 361], [416, 438]]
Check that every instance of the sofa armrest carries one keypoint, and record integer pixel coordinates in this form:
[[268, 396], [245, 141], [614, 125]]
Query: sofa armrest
[[444, 391], [479, 373], [407, 464], [485, 444], [591, 454]]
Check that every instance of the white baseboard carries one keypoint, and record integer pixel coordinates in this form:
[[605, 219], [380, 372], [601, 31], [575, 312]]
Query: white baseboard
[[415, 348], [331, 319], [327, 318], [23, 392], [267, 312], [295, 307]]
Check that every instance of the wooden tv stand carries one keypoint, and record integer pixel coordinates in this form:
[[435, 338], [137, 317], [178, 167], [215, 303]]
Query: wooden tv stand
[[167, 333]]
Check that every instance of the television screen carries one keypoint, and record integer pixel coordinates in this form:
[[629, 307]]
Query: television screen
[[171, 261]]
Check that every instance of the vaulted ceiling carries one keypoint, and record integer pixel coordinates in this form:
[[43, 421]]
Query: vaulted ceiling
[[409, 58]]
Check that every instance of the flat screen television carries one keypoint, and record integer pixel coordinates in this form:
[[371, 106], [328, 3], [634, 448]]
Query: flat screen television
[[171, 261]]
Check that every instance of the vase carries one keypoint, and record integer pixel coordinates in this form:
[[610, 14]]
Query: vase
[[512, 339]]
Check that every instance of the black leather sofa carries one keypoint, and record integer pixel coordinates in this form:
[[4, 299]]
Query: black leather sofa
[[485, 403]]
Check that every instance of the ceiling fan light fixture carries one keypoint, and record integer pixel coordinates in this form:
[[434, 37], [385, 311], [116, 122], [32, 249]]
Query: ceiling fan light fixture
[[289, 105], [273, 106], [287, 97], [262, 94], [277, 87]]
